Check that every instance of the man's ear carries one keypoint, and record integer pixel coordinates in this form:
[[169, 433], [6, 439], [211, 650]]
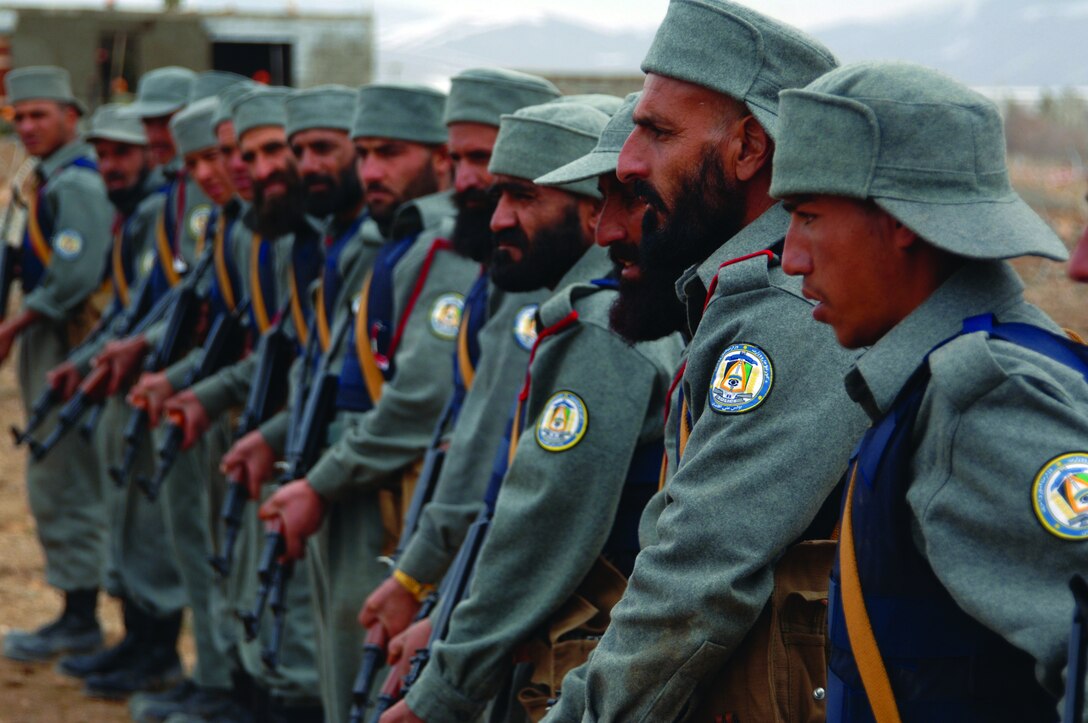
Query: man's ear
[[443, 167], [902, 237], [753, 148], [589, 211]]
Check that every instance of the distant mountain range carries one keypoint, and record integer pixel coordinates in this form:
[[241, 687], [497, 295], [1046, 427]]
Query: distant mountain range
[[981, 42]]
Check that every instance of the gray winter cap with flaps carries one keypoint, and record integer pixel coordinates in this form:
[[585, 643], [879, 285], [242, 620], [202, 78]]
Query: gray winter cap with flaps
[[330, 107], [538, 139], [923, 147], [162, 91], [192, 126], [734, 50], [400, 112], [41, 82], [111, 122], [605, 156], [483, 95], [264, 106]]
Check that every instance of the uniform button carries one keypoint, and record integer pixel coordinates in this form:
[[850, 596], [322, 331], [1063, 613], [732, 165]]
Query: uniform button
[[819, 694]]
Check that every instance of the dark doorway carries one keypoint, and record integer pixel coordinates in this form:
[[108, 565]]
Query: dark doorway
[[265, 62]]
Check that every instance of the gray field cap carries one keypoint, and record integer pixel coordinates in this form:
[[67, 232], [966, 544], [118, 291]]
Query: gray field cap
[[325, 106], [262, 106], [734, 50], [607, 104], [41, 82], [926, 149], [228, 97], [400, 112], [538, 139], [605, 156], [213, 82], [162, 91], [113, 122], [483, 95], [192, 126]]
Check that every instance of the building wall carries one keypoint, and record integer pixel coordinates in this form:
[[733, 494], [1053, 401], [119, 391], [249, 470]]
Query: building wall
[[325, 49]]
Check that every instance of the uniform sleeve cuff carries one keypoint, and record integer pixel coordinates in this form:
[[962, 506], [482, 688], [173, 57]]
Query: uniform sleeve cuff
[[178, 374], [274, 432], [327, 477], [214, 396], [40, 302], [436, 701], [423, 560]]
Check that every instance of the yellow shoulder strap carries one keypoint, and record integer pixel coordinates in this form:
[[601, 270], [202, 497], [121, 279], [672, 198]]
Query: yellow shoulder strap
[[324, 333], [257, 293], [297, 313], [464, 360], [221, 270], [120, 283], [874, 676], [166, 254], [372, 373], [40, 244]]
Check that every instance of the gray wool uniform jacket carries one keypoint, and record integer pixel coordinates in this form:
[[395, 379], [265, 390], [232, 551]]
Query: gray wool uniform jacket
[[999, 427], [765, 452], [557, 503], [458, 494]]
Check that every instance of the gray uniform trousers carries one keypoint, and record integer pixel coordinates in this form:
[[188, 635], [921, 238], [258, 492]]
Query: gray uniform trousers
[[64, 490]]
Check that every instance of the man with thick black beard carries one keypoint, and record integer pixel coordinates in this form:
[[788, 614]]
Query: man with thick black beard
[[585, 442], [757, 443], [497, 332]]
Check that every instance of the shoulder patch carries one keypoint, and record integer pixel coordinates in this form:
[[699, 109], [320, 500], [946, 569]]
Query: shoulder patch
[[1060, 496], [563, 422], [525, 329], [198, 220], [742, 379], [446, 316], [68, 244]]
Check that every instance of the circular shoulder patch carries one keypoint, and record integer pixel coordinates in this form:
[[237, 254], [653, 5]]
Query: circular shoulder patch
[[446, 315], [198, 220], [742, 379], [563, 422], [525, 326], [68, 244], [1060, 496]]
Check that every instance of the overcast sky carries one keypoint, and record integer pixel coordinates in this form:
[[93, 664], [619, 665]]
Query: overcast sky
[[392, 14]]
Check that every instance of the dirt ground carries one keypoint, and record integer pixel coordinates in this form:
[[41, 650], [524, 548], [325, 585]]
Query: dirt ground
[[37, 693]]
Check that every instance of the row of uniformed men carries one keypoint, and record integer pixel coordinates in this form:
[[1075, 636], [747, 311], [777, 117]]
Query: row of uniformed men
[[899, 237]]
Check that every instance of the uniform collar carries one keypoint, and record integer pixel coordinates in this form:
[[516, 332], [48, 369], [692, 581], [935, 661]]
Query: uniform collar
[[979, 287], [593, 264], [63, 156], [761, 234], [421, 214]]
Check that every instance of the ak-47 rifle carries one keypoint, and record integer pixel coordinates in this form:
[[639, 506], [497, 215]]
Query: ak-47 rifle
[[267, 395], [305, 440], [91, 390], [180, 328], [10, 257], [224, 346], [451, 592], [374, 645], [50, 397]]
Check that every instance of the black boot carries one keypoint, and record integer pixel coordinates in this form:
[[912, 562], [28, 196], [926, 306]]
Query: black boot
[[80, 666], [154, 666], [75, 631]]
